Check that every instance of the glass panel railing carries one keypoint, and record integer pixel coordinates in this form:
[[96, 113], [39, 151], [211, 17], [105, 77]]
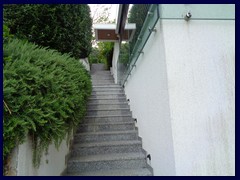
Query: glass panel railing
[[147, 18], [198, 11], [129, 52]]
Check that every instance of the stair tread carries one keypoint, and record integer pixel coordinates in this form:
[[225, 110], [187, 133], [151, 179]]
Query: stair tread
[[115, 172], [109, 123], [108, 157], [108, 143], [109, 93], [117, 103], [112, 109], [110, 98], [112, 85], [103, 109], [95, 116], [107, 132]]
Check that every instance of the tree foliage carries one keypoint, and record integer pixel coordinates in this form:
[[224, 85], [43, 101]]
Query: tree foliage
[[63, 27], [103, 51], [106, 52], [95, 56], [45, 95]]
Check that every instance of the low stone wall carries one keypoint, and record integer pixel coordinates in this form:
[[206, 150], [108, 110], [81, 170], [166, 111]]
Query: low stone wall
[[53, 162], [85, 63]]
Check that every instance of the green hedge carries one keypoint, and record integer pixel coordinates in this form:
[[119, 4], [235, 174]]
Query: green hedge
[[45, 95], [64, 27]]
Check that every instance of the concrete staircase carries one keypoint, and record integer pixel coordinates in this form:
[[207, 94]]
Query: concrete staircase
[[107, 142]]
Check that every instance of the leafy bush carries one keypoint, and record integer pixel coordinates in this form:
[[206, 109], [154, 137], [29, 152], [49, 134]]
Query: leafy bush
[[64, 27], [45, 95], [102, 54], [95, 56]]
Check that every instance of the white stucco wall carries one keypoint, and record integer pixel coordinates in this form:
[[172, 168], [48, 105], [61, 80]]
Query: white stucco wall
[[85, 63], [52, 163], [148, 93], [182, 92], [200, 58], [115, 61]]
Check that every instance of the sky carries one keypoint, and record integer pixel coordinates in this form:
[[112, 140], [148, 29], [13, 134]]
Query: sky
[[99, 8]]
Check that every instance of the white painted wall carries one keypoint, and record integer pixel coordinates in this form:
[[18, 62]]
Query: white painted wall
[[115, 61], [52, 164], [182, 92], [200, 58], [148, 93], [85, 63]]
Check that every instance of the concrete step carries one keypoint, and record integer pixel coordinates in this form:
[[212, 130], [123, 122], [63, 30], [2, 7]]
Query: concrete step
[[92, 106], [107, 86], [102, 81], [107, 92], [103, 84], [106, 76], [109, 112], [106, 136], [110, 147], [95, 67], [107, 119], [115, 172], [107, 142], [107, 89], [108, 96], [101, 127], [100, 72], [106, 162], [107, 101]]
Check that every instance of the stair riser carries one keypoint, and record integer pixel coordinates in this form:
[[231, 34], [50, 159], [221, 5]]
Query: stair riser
[[84, 151], [107, 141], [108, 112], [102, 82], [106, 127], [108, 96], [107, 119], [117, 92], [106, 89], [107, 101], [105, 137], [100, 77], [107, 106], [101, 72], [107, 86], [107, 77], [105, 165]]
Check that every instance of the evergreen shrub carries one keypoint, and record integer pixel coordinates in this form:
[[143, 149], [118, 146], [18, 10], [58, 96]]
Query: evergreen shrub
[[66, 28], [45, 95]]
